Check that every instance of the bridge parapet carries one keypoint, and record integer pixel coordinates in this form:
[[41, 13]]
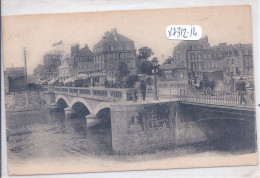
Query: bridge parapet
[[227, 98], [104, 94]]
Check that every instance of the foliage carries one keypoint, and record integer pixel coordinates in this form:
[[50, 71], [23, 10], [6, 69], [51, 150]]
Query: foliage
[[144, 53], [131, 79], [123, 70], [168, 60], [144, 66]]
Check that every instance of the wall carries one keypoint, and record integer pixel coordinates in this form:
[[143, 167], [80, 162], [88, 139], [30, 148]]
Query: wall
[[147, 126], [138, 127], [26, 101]]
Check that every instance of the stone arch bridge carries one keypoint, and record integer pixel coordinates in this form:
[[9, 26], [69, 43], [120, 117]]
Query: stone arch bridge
[[95, 100]]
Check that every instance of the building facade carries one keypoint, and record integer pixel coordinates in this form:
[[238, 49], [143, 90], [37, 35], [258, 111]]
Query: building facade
[[196, 59], [66, 69], [51, 63], [112, 49]]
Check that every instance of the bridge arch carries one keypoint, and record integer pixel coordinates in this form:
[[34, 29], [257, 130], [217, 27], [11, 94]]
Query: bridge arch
[[100, 107], [62, 101], [84, 102]]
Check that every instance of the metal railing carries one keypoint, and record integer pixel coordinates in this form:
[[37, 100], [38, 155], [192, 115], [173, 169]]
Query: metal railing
[[241, 99]]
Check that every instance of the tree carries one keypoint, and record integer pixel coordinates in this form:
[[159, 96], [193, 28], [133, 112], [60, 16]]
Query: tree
[[130, 81], [168, 60], [123, 70], [144, 53], [144, 66]]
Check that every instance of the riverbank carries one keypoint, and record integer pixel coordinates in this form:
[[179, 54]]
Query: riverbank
[[25, 101]]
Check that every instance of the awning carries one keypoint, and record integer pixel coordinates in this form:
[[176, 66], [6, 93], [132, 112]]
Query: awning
[[97, 75], [44, 81], [72, 79], [52, 81], [82, 76]]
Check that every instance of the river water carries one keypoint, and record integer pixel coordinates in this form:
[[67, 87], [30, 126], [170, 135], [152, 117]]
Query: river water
[[41, 135]]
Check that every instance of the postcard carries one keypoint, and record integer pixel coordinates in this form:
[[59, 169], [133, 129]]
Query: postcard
[[129, 90]]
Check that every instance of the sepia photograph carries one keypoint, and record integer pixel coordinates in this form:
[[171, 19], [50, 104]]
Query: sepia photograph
[[129, 90]]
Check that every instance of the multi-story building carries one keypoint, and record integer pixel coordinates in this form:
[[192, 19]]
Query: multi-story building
[[112, 49], [82, 60], [200, 60], [188, 59], [66, 69], [51, 62], [246, 66]]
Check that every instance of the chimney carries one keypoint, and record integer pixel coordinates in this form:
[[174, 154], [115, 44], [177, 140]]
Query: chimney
[[114, 33], [86, 46], [106, 34], [206, 38]]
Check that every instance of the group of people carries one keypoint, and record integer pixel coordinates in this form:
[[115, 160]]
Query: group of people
[[115, 84]]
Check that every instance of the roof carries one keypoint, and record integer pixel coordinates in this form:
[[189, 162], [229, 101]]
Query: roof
[[187, 43], [113, 36], [84, 52], [52, 81]]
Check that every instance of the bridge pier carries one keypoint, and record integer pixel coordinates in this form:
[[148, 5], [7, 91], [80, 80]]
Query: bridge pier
[[69, 112]]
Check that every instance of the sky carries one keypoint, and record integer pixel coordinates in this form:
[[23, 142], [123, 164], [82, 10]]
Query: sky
[[37, 33]]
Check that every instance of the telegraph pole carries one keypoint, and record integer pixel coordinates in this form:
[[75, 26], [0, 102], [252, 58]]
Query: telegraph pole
[[25, 69]]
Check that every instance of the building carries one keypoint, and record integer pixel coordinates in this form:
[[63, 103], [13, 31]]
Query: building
[[188, 59], [174, 72], [246, 64], [196, 59], [38, 73], [51, 63], [83, 60], [112, 49], [15, 80], [66, 69]]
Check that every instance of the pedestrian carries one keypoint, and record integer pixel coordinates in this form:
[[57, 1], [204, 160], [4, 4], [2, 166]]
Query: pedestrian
[[241, 88], [143, 89], [232, 84]]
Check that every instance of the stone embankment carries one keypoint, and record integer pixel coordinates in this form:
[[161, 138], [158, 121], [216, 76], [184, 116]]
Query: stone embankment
[[26, 101]]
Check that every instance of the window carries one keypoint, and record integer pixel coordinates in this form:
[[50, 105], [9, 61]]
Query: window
[[248, 63], [111, 47], [127, 47], [245, 52], [199, 66], [127, 55], [220, 64], [232, 61], [227, 61], [181, 75], [192, 56]]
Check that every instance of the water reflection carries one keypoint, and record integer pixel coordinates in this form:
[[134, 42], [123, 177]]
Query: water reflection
[[40, 135]]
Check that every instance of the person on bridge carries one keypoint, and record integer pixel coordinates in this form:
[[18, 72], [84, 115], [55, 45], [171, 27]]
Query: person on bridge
[[241, 88], [143, 89]]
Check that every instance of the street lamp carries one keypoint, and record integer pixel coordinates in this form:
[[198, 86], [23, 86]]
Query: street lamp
[[155, 67]]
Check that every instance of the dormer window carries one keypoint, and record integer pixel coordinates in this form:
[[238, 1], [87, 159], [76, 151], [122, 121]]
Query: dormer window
[[111, 47]]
